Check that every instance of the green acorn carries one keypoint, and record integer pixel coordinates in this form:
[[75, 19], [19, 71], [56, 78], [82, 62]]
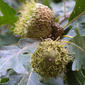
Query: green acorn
[[50, 58], [36, 21]]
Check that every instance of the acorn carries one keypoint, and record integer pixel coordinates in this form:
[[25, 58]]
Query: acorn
[[50, 58], [36, 21]]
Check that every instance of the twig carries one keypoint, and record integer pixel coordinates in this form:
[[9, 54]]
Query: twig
[[64, 8], [66, 17]]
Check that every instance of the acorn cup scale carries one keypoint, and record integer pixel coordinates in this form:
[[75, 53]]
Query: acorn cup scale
[[50, 59], [37, 21]]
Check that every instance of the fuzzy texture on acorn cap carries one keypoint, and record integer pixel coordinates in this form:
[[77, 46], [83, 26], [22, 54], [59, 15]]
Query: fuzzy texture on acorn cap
[[50, 58], [36, 21]]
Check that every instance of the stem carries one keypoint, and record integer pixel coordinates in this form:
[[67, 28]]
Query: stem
[[64, 8], [68, 36], [66, 17]]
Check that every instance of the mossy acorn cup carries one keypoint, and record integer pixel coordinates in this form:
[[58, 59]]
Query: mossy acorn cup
[[50, 59], [36, 21]]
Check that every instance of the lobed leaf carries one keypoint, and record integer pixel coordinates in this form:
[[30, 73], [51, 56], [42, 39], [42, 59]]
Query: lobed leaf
[[16, 58]]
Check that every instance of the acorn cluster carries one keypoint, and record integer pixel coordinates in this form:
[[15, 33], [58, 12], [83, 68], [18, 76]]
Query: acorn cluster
[[50, 58], [38, 21]]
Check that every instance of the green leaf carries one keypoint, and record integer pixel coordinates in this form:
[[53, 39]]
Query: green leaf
[[47, 3], [3, 80], [77, 47], [78, 9], [17, 57], [9, 14], [11, 78]]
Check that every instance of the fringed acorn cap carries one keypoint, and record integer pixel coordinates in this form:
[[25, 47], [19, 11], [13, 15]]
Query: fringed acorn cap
[[50, 58], [36, 21]]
